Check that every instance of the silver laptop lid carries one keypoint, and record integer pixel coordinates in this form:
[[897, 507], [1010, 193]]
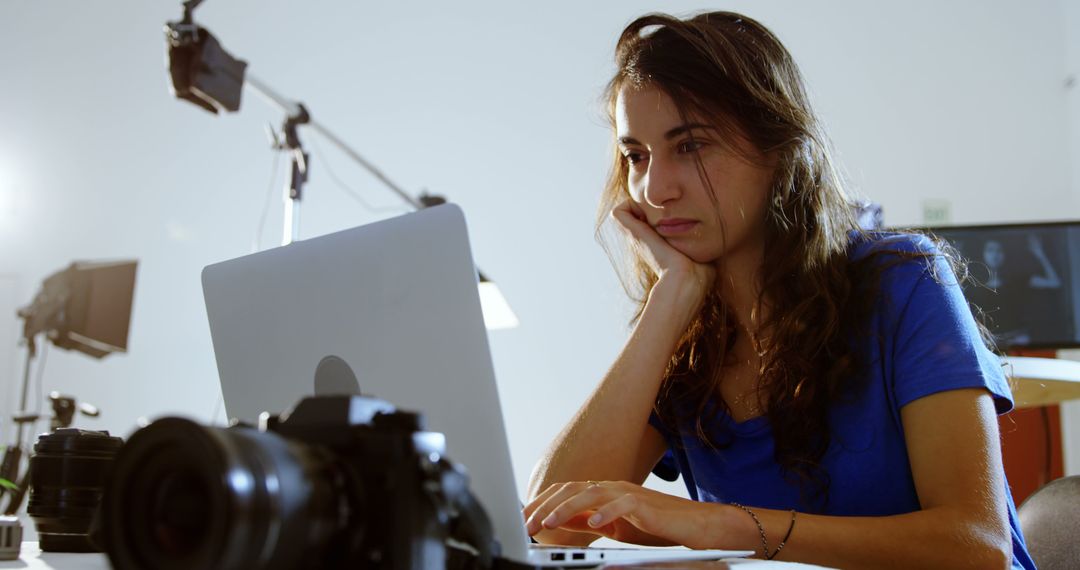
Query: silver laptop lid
[[394, 304]]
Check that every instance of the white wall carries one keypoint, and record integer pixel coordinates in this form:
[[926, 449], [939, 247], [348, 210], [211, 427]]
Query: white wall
[[9, 302], [1070, 412], [493, 104]]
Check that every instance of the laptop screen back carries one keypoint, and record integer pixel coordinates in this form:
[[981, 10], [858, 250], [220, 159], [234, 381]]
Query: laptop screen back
[[393, 304]]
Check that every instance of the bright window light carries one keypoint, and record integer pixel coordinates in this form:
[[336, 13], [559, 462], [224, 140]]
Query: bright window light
[[497, 312]]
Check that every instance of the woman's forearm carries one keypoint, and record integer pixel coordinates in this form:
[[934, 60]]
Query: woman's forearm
[[604, 439], [942, 537]]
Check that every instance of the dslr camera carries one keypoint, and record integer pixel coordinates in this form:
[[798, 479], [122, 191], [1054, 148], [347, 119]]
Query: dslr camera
[[336, 482]]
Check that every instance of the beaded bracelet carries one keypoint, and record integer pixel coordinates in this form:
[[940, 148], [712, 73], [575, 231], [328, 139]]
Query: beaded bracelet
[[786, 537], [761, 530]]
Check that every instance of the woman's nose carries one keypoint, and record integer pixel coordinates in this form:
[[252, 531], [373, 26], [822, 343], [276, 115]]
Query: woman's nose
[[662, 183]]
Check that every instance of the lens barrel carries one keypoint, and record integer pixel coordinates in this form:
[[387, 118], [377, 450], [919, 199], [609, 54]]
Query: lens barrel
[[187, 496], [68, 474]]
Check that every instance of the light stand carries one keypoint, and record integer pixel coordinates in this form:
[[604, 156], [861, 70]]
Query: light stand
[[202, 72], [11, 467], [299, 160], [293, 109], [296, 115], [31, 353], [85, 307]]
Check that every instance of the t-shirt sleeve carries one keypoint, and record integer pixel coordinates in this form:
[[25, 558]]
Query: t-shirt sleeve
[[667, 468], [936, 344]]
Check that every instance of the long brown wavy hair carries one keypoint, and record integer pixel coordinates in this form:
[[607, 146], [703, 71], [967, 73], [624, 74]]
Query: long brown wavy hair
[[732, 71]]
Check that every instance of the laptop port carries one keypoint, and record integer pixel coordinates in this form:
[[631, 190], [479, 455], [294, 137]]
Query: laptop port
[[579, 556]]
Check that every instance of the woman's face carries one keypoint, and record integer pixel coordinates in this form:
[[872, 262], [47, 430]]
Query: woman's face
[[662, 152]]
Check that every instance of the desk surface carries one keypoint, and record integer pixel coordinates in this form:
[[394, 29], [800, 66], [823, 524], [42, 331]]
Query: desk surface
[[32, 558], [1043, 381]]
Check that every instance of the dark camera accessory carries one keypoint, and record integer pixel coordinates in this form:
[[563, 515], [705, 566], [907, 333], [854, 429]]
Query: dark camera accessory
[[338, 482], [68, 473], [10, 538]]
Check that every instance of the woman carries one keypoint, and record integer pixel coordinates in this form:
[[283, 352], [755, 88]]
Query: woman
[[825, 393]]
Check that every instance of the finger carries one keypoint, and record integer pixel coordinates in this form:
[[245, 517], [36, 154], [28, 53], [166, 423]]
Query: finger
[[585, 500], [623, 529], [580, 523], [640, 231], [630, 515], [552, 490], [559, 495], [539, 499], [567, 536], [622, 507], [636, 210], [629, 219], [536, 511], [618, 529]]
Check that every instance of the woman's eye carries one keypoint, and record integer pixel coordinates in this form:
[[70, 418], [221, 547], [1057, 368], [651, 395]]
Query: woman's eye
[[690, 146], [633, 157]]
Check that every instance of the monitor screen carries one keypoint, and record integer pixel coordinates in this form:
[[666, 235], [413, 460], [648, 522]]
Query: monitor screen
[[1026, 280]]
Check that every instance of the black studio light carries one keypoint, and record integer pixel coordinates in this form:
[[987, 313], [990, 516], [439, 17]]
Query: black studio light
[[204, 74], [200, 70], [85, 307]]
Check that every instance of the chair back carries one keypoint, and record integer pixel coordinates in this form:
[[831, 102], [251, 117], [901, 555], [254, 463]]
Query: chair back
[[1049, 519]]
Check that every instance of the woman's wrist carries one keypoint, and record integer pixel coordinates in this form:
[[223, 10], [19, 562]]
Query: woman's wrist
[[682, 290], [739, 530]]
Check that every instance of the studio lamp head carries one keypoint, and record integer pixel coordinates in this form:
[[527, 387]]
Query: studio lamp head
[[203, 73], [85, 307], [200, 70]]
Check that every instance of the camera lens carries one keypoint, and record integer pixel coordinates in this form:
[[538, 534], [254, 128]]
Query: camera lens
[[187, 496], [180, 509], [68, 474]]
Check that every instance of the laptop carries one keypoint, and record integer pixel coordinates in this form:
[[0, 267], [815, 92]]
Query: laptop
[[389, 310]]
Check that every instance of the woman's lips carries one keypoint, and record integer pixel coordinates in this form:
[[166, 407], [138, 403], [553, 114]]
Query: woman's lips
[[675, 226]]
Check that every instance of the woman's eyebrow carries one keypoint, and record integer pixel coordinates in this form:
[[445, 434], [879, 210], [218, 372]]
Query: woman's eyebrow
[[686, 128], [675, 132]]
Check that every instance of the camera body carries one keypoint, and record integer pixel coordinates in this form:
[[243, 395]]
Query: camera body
[[337, 482], [385, 461]]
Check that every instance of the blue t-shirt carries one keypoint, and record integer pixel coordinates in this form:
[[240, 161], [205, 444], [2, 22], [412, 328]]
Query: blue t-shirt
[[923, 340]]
